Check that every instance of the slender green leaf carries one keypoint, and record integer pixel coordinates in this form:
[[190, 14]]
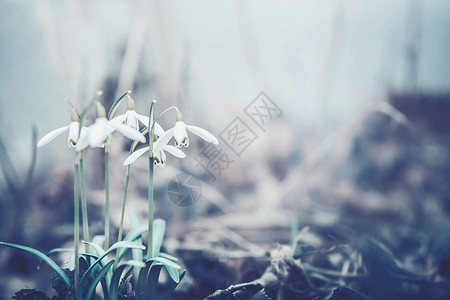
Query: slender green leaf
[[165, 261], [104, 287], [137, 255], [115, 105], [122, 244], [142, 280], [173, 273], [99, 240], [168, 256], [152, 280], [58, 250], [133, 235], [134, 218], [45, 258], [100, 252], [173, 285], [71, 259], [97, 280], [103, 262], [171, 267], [159, 228], [115, 280]]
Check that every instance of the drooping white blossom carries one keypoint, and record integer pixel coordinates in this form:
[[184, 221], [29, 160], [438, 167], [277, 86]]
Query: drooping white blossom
[[99, 133], [74, 131], [132, 118]]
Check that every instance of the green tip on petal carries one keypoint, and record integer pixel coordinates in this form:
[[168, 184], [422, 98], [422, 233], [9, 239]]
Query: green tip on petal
[[101, 113]]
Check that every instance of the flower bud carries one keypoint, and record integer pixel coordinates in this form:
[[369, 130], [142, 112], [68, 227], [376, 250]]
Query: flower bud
[[130, 103], [179, 116], [74, 116]]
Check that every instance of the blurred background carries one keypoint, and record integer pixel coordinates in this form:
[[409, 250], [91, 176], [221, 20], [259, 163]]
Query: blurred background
[[353, 142]]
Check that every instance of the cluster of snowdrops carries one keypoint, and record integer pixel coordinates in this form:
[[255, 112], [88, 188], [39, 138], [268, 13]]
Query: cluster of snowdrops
[[145, 264]]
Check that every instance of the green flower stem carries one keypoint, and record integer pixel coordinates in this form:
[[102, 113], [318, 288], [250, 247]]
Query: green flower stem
[[106, 246], [84, 204], [119, 238], [76, 221], [127, 180], [151, 134], [150, 208], [164, 112]]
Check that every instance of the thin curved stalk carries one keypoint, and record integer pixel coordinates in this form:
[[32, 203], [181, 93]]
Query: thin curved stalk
[[150, 207], [106, 246], [84, 204], [151, 134], [127, 180], [119, 238]]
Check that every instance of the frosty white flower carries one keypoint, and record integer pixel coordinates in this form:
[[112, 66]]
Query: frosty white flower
[[74, 130], [132, 118], [99, 133], [179, 133], [159, 156]]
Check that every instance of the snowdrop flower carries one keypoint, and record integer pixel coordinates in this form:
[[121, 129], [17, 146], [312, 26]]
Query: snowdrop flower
[[74, 130], [159, 156], [99, 133], [179, 133], [132, 118]]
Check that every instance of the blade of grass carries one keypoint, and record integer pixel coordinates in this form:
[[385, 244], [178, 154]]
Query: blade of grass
[[173, 285], [159, 228], [114, 285], [152, 280], [125, 244], [168, 256], [171, 267], [45, 258], [115, 105], [97, 280]]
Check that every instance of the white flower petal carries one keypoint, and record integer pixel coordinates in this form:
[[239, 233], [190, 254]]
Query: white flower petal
[[132, 121], [162, 140], [74, 129], [135, 155], [163, 159], [119, 119], [180, 134], [143, 119], [159, 158], [129, 132], [83, 141], [204, 134], [174, 151], [99, 132], [51, 135], [159, 131]]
